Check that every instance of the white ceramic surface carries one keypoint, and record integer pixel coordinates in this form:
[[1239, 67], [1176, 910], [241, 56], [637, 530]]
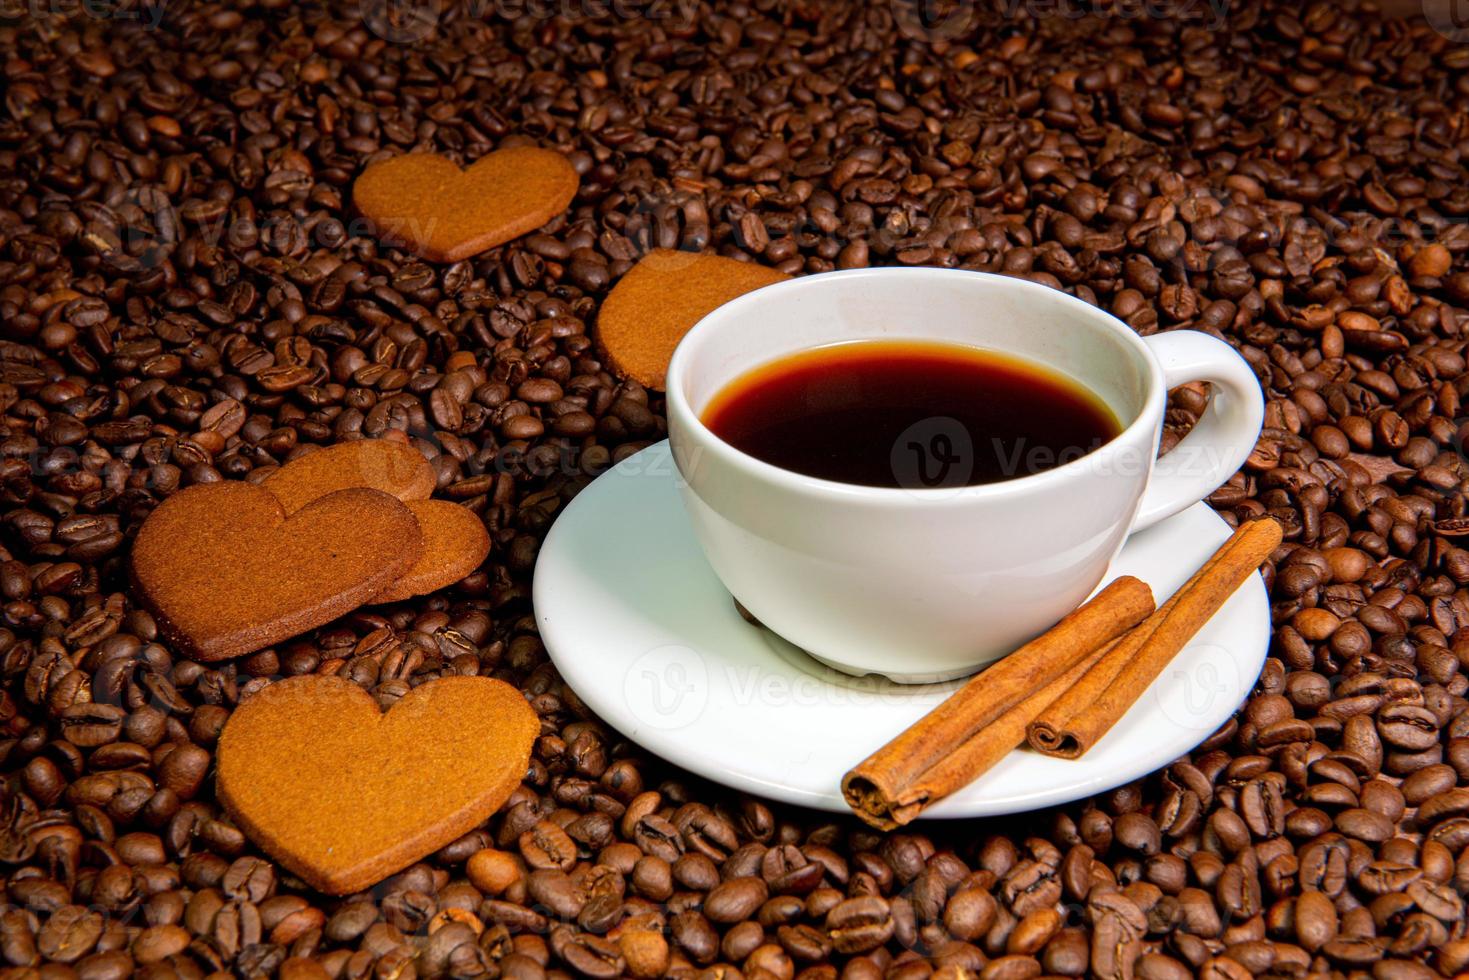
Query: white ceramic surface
[[636, 621], [925, 583]]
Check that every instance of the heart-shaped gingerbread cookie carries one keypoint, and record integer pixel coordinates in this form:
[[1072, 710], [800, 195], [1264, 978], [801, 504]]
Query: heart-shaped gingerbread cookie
[[345, 795], [454, 538], [393, 467], [454, 543], [425, 203], [226, 572], [660, 299]]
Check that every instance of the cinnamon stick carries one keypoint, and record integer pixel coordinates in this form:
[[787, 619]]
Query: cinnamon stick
[[890, 782], [1073, 722], [973, 758]]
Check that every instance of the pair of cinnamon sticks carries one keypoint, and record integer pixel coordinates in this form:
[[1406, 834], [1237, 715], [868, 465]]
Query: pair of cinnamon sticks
[[1060, 693]]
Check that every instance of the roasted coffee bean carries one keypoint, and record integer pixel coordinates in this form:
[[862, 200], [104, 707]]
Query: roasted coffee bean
[[1427, 783], [659, 838], [70, 933], [1067, 954], [804, 943], [969, 914], [1262, 806], [1364, 825], [1315, 920], [588, 955], [1118, 926], [693, 934], [696, 872], [555, 892], [547, 846], [645, 952], [859, 924], [1033, 932], [157, 943], [1138, 833], [652, 878], [735, 899], [741, 940], [492, 871]]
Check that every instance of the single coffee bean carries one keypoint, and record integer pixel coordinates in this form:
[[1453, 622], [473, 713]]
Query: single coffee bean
[[969, 914], [1315, 920], [735, 899], [546, 846], [859, 924], [693, 934], [1364, 825]]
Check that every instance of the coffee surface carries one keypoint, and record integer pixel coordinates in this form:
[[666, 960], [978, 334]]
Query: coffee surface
[[910, 414]]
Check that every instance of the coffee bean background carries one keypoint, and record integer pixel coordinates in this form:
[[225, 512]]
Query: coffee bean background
[[186, 295]]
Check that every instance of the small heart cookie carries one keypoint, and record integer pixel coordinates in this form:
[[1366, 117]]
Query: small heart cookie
[[454, 543], [425, 203], [660, 299], [345, 795], [227, 572], [454, 538], [393, 467]]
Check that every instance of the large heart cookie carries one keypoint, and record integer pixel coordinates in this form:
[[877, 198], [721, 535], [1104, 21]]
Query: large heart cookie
[[226, 572], [660, 299], [427, 204], [345, 795]]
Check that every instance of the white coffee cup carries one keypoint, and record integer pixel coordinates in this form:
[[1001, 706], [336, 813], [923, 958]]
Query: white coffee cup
[[927, 584]]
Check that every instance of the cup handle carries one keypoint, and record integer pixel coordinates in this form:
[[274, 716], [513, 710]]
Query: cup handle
[[1225, 434]]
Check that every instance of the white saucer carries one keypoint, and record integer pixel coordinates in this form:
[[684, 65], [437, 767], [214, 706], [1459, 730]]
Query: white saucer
[[643, 631]]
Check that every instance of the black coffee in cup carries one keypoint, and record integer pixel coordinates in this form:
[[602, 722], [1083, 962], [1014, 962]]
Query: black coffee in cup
[[911, 414]]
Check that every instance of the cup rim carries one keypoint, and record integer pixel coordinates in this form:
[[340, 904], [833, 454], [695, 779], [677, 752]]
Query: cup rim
[[677, 404]]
